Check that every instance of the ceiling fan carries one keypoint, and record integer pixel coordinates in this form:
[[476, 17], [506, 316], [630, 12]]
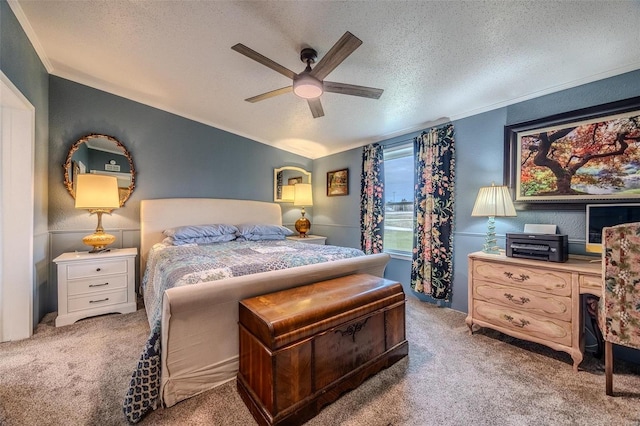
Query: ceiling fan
[[310, 83]]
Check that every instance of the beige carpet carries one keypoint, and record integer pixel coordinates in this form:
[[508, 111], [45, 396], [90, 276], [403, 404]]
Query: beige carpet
[[77, 375]]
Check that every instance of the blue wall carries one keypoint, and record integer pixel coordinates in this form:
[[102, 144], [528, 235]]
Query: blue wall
[[21, 65], [479, 161], [173, 156]]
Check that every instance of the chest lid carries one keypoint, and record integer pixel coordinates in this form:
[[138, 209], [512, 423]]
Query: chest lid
[[283, 317]]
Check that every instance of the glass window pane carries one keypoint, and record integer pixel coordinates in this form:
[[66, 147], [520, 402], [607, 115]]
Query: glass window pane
[[398, 188]]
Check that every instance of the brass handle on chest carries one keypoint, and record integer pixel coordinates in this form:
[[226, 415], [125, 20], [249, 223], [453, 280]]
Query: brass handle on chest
[[98, 301], [98, 285], [353, 329]]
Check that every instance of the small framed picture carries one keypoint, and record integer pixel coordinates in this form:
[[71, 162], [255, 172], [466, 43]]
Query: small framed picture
[[338, 183], [294, 180]]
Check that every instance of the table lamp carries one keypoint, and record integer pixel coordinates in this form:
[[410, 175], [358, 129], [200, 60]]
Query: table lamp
[[98, 194], [302, 197], [493, 201]]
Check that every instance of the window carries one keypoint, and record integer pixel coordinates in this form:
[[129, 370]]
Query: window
[[398, 194]]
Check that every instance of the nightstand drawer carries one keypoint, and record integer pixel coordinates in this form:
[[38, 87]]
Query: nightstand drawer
[[92, 301], [98, 284], [96, 268]]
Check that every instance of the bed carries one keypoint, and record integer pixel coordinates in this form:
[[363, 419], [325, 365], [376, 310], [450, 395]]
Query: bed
[[195, 345]]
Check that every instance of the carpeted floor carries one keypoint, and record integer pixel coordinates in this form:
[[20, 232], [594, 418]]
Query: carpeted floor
[[77, 375]]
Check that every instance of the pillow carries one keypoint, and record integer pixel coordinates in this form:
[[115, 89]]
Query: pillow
[[253, 232], [196, 231], [199, 240], [261, 237]]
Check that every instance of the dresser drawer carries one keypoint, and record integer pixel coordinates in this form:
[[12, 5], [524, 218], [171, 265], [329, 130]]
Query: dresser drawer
[[96, 268], [97, 300], [523, 322], [523, 300], [591, 283], [344, 348], [545, 280], [99, 284]]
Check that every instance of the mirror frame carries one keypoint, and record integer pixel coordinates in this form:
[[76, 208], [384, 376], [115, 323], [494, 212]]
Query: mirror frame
[[275, 181], [67, 164]]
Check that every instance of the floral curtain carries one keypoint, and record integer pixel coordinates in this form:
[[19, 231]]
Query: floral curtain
[[432, 266], [371, 199]]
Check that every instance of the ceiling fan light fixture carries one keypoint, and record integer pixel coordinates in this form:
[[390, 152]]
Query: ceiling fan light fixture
[[307, 87]]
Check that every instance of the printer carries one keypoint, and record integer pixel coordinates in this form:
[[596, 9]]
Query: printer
[[549, 247]]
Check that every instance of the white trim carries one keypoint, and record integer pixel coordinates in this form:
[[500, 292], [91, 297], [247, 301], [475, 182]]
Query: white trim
[[17, 212], [31, 34]]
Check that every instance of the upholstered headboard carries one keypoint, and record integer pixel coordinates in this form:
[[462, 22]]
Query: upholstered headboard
[[158, 215]]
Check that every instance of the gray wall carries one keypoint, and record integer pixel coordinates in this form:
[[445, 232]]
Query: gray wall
[[20, 63]]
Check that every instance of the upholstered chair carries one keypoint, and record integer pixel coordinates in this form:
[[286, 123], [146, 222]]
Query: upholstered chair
[[619, 313]]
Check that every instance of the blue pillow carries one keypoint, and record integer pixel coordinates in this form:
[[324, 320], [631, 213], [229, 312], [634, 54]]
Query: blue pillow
[[196, 231], [262, 229], [261, 237], [200, 240]]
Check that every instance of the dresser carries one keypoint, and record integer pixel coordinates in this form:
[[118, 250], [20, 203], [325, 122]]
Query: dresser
[[95, 284], [309, 239], [533, 300]]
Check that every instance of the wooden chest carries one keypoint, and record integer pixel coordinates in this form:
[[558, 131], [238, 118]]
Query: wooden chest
[[301, 348]]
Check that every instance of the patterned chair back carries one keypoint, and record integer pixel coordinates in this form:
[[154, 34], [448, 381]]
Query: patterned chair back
[[619, 314]]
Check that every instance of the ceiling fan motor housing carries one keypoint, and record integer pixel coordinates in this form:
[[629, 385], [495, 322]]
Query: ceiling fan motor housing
[[308, 55]]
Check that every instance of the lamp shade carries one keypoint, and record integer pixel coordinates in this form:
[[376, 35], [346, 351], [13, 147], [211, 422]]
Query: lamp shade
[[493, 201], [288, 192], [306, 86], [96, 192], [302, 195]]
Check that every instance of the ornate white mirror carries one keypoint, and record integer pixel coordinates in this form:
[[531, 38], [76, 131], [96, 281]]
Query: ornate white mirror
[[100, 154], [283, 180]]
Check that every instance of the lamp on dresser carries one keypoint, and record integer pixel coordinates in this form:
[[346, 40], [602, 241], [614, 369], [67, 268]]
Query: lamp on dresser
[[302, 197], [493, 201], [98, 194]]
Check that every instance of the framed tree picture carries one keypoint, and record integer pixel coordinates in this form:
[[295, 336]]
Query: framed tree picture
[[578, 157], [338, 182]]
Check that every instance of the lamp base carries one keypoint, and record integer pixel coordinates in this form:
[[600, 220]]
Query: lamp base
[[98, 240], [303, 226], [490, 242]]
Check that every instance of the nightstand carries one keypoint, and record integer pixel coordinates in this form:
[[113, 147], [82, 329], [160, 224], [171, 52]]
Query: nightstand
[[95, 284], [309, 239]]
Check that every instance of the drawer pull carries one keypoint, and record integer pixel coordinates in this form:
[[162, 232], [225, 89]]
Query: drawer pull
[[98, 285], [98, 269], [520, 324], [520, 301], [98, 301], [520, 279], [353, 329]]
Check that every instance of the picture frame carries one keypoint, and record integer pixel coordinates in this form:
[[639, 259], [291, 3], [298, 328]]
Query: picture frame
[[338, 183], [294, 180], [568, 160]]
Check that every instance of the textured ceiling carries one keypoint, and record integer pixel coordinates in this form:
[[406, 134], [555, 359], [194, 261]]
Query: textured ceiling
[[434, 59]]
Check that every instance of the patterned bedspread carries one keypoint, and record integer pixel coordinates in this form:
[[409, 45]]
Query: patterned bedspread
[[174, 266]]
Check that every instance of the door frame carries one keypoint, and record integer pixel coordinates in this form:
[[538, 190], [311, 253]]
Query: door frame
[[17, 136]]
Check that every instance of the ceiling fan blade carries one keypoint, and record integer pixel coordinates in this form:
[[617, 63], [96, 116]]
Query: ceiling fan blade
[[252, 54], [270, 94], [352, 89], [334, 57], [316, 107]]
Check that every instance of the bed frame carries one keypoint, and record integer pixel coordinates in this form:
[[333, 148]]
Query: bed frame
[[200, 322]]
